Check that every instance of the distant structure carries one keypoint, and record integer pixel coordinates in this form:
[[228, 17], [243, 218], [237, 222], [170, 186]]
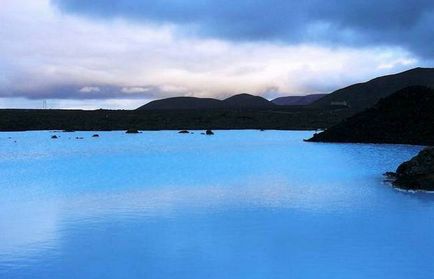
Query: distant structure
[[339, 103], [44, 104]]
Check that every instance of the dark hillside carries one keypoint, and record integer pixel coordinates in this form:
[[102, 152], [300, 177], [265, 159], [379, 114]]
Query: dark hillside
[[247, 101], [182, 103], [406, 117], [297, 100], [364, 95]]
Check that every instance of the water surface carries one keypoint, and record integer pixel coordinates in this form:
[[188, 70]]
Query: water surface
[[240, 204]]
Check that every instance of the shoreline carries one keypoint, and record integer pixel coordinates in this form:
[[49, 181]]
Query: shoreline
[[107, 120]]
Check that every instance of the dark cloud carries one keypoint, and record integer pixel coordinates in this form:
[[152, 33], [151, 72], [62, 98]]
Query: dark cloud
[[409, 24]]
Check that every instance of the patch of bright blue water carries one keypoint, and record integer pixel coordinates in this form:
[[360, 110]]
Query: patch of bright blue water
[[240, 204]]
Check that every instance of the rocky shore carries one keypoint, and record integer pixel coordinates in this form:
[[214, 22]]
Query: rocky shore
[[417, 173], [406, 117]]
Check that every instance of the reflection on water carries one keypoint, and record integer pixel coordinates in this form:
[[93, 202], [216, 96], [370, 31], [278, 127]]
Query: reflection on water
[[237, 205]]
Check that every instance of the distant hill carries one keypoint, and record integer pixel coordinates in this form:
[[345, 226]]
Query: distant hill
[[364, 95], [357, 97], [297, 100], [183, 103], [406, 117], [191, 103], [246, 101]]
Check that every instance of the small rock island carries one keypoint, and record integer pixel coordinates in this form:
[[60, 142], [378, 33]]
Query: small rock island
[[132, 131]]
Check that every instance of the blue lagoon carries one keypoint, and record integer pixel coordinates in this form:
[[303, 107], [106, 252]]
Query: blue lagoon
[[240, 204]]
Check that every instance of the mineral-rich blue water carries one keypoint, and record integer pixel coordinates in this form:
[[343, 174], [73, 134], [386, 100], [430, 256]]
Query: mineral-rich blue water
[[240, 204]]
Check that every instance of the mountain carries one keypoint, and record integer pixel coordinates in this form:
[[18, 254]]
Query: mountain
[[357, 97], [241, 101], [406, 117], [246, 101], [182, 103], [364, 95], [297, 100]]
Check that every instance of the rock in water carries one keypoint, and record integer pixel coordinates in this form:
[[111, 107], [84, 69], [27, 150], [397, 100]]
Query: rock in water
[[95, 136], [184, 132], [132, 131], [418, 173], [209, 132], [54, 137]]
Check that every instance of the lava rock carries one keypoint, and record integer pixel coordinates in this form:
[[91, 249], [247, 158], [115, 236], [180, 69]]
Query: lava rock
[[54, 137], [209, 132], [132, 131], [416, 174], [183, 132], [95, 136], [405, 117]]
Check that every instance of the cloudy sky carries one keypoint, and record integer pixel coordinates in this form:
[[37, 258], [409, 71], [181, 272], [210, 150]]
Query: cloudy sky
[[123, 53]]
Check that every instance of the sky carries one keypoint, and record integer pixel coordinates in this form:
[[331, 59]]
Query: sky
[[120, 54]]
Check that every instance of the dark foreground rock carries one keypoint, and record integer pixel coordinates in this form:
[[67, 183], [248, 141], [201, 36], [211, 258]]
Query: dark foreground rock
[[54, 137], [95, 136], [416, 174], [406, 117], [209, 132]]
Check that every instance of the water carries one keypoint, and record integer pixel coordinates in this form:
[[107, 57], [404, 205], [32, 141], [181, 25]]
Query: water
[[240, 204]]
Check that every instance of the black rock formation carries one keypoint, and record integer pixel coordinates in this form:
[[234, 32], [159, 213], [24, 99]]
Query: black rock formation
[[406, 117], [416, 174]]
